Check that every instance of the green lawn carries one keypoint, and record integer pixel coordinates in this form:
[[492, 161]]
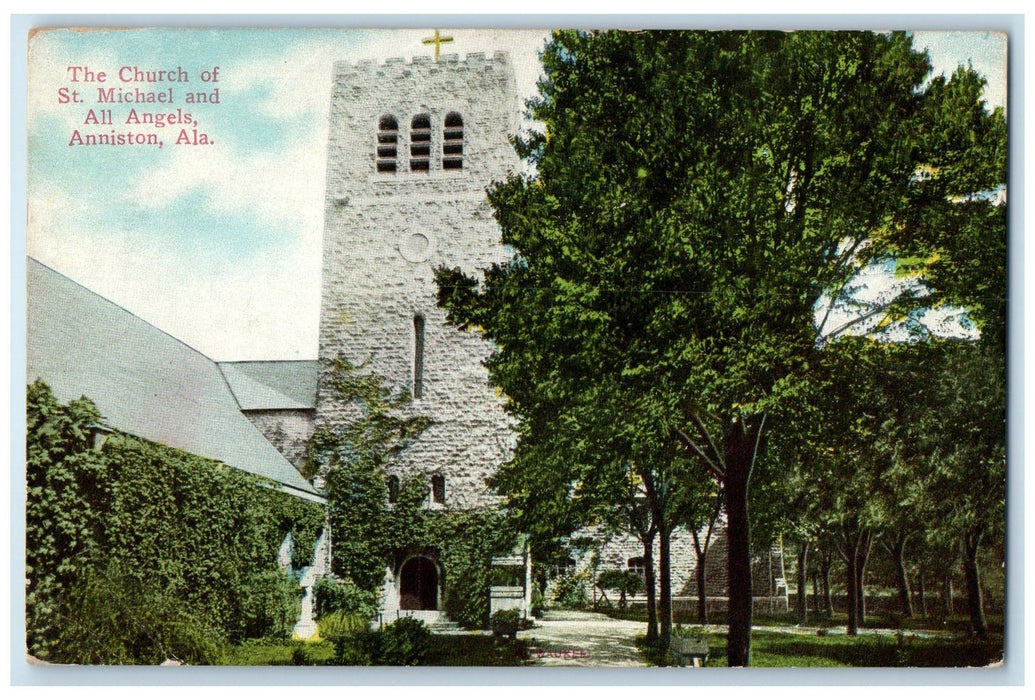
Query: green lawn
[[279, 652], [787, 649], [905, 650], [445, 650], [769, 649]]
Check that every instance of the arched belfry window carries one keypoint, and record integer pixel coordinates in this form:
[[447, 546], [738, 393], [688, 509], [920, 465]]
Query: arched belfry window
[[453, 142], [387, 144], [420, 143]]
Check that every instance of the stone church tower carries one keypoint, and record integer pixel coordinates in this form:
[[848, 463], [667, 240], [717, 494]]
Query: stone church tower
[[412, 147]]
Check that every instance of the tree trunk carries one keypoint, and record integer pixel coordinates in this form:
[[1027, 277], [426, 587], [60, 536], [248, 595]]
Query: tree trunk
[[665, 584], [854, 547], [801, 607], [702, 597], [815, 593], [898, 550], [650, 587], [701, 573], [851, 557], [920, 598], [860, 587], [971, 544], [947, 594], [739, 451], [828, 601]]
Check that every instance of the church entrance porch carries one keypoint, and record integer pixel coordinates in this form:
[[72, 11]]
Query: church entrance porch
[[419, 584]]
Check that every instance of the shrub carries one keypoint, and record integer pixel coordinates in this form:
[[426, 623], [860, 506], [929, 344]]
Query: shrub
[[538, 601], [402, 643], [351, 637], [339, 625], [114, 618], [333, 595], [570, 591], [271, 603], [300, 656], [625, 582], [505, 623]]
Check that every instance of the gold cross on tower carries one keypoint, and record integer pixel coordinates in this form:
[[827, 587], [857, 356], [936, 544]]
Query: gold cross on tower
[[437, 40]]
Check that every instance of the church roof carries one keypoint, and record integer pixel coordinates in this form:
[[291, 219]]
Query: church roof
[[144, 381], [289, 384]]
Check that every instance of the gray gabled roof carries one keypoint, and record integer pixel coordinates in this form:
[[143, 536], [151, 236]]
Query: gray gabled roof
[[289, 384], [144, 381]]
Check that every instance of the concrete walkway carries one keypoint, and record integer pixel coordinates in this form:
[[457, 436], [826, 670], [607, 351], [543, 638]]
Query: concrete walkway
[[571, 638], [574, 638]]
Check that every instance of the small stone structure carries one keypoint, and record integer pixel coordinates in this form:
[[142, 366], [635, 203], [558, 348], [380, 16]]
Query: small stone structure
[[507, 598], [625, 552]]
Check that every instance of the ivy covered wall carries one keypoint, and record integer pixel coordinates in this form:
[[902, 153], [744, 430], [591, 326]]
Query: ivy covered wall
[[136, 552]]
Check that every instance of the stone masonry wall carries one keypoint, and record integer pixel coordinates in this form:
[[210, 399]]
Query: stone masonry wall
[[617, 550], [386, 232]]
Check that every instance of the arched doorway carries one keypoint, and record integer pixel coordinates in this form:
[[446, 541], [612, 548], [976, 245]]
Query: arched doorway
[[418, 584]]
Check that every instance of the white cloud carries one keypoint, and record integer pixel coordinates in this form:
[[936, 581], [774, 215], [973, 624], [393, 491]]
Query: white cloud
[[283, 187]]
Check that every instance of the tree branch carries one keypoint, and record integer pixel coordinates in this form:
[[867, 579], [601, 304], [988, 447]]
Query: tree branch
[[702, 430], [758, 439], [714, 468]]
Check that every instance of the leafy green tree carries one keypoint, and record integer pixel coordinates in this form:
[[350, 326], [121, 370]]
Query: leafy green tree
[[863, 454], [694, 195], [795, 498], [593, 468], [625, 582], [966, 440], [953, 239], [704, 507]]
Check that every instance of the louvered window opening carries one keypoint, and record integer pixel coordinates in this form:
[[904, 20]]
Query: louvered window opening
[[387, 145], [420, 143], [453, 142]]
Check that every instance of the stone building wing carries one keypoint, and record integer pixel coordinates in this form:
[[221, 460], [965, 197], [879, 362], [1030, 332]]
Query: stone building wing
[[279, 398], [145, 382]]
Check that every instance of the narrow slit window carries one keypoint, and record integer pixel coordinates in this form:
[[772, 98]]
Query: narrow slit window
[[387, 144], [438, 489], [420, 143], [393, 488], [418, 357], [453, 142]]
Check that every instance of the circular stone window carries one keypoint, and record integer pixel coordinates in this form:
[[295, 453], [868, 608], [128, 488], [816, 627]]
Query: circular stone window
[[416, 247]]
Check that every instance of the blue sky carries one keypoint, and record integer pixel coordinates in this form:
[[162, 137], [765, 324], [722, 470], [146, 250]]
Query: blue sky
[[220, 245]]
